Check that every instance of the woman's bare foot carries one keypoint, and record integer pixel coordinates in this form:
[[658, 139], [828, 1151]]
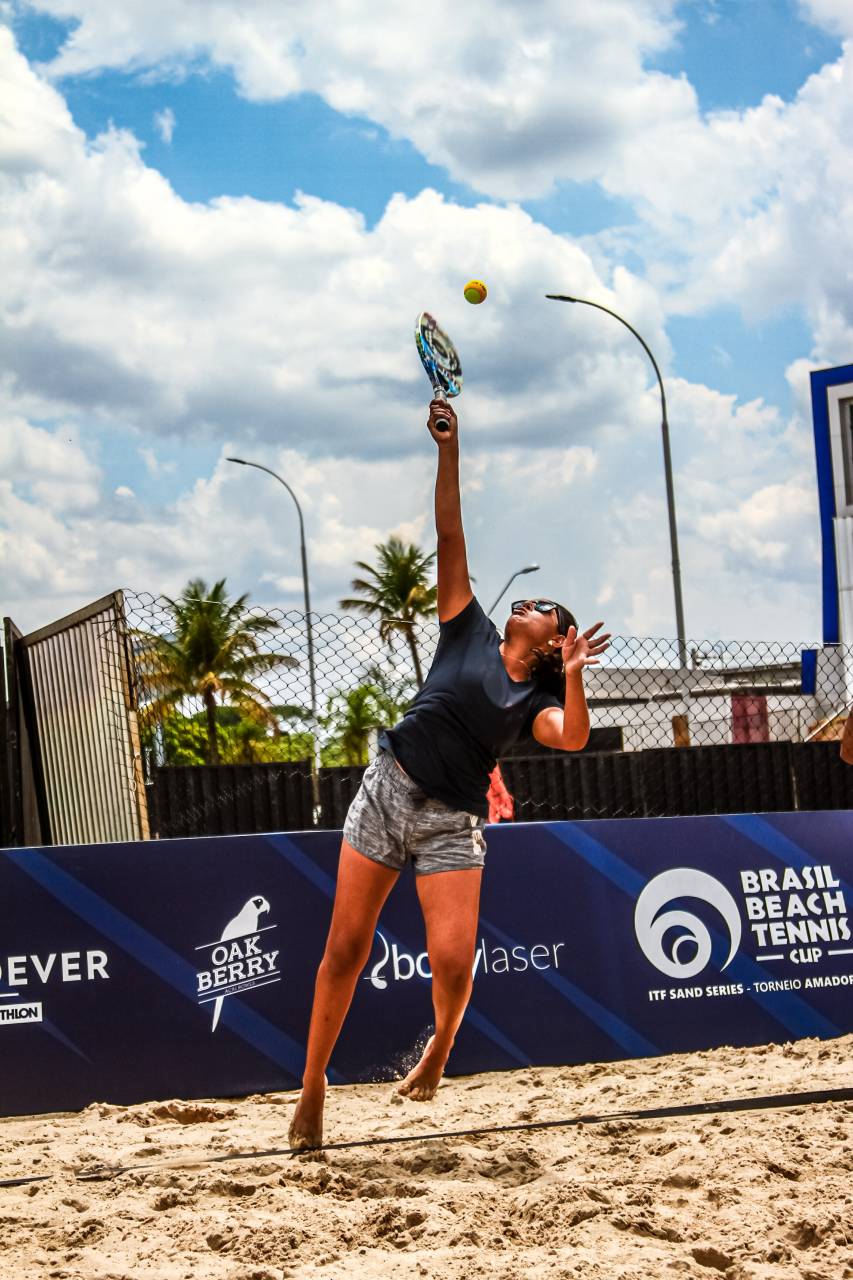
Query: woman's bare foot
[[421, 1084], [306, 1127]]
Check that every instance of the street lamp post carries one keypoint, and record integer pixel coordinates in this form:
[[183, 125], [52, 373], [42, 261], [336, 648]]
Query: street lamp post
[[531, 568], [315, 756], [667, 464], [308, 627]]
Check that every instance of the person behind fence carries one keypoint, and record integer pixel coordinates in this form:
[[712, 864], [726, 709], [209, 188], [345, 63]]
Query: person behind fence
[[423, 799], [847, 739]]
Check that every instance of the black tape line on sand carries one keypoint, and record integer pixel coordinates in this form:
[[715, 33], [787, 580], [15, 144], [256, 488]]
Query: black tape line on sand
[[766, 1103]]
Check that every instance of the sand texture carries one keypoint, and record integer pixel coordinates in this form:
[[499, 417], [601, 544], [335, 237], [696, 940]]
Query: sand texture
[[761, 1195]]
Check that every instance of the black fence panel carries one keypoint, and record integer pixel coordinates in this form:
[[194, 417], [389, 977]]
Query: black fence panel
[[563, 787], [608, 738], [822, 778], [337, 788], [747, 778], [537, 785], [7, 784], [231, 799]]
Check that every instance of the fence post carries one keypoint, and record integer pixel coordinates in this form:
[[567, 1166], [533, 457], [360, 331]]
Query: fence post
[[131, 702]]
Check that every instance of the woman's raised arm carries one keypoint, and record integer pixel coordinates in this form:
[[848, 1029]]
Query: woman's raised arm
[[454, 585]]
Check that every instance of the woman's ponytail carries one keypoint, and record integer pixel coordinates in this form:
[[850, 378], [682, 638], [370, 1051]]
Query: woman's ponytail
[[548, 669]]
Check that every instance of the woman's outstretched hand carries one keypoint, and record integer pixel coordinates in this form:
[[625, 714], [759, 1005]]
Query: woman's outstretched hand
[[442, 423], [582, 648]]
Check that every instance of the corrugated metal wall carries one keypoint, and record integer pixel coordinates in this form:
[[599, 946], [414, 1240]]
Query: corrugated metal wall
[[83, 708]]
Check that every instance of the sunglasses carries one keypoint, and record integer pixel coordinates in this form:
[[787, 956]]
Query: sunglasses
[[541, 606]]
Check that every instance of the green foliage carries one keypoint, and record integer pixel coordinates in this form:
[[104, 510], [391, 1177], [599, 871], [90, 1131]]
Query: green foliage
[[355, 713], [395, 692], [352, 715], [213, 653], [184, 740]]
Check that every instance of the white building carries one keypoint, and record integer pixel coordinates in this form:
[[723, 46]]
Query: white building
[[707, 706]]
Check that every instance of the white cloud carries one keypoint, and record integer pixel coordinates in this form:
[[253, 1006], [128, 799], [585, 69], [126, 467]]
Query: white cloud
[[292, 323], [546, 92], [124, 492], [593, 516], [154, 465], [747, 524], [284, 334], [538, 472], [752, 208], [759, 527], [48, 463], [164, 123], [835, 15], [744, 206]]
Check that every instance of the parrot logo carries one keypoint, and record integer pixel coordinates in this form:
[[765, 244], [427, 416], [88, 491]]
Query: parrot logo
[[236, 958], [246, 920]]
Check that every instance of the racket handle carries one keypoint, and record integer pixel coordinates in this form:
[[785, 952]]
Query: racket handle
[[438, 393]]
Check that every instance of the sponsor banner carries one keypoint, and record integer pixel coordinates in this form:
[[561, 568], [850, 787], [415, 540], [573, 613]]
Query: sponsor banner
[[186, 967], [11, 1015]]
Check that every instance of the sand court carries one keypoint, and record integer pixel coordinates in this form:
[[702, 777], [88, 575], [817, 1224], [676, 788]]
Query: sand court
[[758, 1195]]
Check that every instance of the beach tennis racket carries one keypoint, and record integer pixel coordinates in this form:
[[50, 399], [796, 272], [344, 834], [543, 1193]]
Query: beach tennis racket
[[438, 357]]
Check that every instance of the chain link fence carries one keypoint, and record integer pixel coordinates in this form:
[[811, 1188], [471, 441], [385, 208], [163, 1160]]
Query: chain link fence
[[743, 726]]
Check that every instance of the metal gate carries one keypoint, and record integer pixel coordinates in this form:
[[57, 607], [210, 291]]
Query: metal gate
[[73, 761]]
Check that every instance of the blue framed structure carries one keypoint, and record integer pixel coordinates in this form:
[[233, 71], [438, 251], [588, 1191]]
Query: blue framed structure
[[821, 381]]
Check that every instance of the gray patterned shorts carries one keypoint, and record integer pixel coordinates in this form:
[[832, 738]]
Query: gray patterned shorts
[[392, 821]]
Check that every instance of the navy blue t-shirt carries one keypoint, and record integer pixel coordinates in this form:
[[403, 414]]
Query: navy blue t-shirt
[[467, 714]]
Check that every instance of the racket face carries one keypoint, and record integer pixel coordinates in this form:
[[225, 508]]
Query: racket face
[[438, 355]]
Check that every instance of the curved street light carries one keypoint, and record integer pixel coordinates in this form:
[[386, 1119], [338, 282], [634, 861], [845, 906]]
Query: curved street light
[[311, 676], [531, 568], [667, 464]]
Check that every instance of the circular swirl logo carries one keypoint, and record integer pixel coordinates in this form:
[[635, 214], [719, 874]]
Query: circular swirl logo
[[664, 935]]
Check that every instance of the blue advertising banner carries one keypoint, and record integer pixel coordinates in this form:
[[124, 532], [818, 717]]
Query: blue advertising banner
[[186, 967]]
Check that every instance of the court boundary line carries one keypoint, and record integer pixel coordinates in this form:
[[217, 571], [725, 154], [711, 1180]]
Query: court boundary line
[[766, 1102]]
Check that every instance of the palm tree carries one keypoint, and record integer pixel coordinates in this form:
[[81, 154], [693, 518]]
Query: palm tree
[[212, 651], [394, 692], [353, 714], [397, 591]]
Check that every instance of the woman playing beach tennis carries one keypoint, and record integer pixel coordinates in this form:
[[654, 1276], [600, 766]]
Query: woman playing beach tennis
[[423, 800]]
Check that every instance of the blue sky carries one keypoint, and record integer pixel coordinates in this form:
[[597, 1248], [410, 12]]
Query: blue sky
[[734, 52], [709, 286]]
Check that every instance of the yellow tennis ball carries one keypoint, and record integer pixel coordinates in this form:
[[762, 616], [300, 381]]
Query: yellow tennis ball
[[475, 291]]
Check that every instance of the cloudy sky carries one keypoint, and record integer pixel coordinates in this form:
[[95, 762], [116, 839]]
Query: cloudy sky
[[219, 221]]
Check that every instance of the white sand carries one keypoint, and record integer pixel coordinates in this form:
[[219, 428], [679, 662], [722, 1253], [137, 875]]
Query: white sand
[[765, 1195]]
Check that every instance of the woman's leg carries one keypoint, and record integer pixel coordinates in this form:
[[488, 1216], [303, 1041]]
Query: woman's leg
[[450, 901], [362, 887]]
